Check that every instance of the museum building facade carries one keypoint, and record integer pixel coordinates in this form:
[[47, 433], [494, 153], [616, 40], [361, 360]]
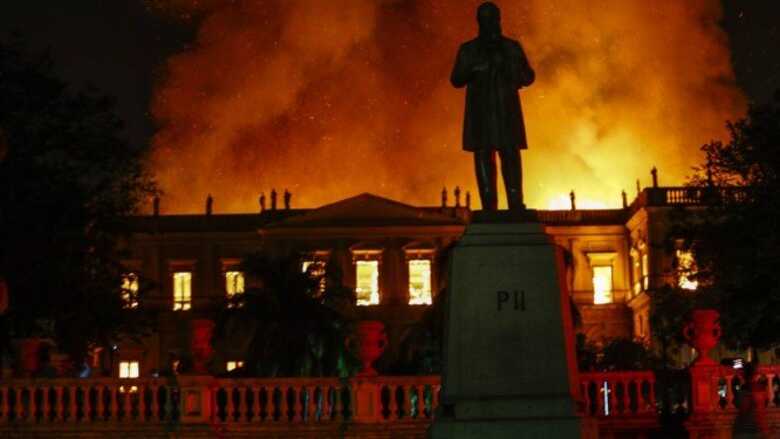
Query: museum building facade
[[394, 256]]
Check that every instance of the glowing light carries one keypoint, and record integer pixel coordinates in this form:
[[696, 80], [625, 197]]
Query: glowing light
[[129, 369], [130, 290], [420, 282], [234, 283], [686, 268], [367, 288], [562, 202], [602, 284], [232, 365], [182, 290], [316, 269]]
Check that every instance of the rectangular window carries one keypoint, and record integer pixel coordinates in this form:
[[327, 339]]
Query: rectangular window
[[130, 290], [645, 272], [128, 369], [231, 365], [182, 290], [420, 282], [602, 284], [316, 269], [234, 283], [686, 268], [367, 287]]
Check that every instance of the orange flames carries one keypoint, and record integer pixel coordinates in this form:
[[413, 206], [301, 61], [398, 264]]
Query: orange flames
[[333, 98]]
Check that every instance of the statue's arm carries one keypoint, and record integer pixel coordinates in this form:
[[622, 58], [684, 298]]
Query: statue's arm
[[522, 75], [462, 71]]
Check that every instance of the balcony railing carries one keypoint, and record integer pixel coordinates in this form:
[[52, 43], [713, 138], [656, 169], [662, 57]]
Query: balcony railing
[[190, 399], [619, 394], [728, 381]]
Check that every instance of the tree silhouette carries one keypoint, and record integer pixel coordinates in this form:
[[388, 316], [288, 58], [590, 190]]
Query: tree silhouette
[[67, 181]]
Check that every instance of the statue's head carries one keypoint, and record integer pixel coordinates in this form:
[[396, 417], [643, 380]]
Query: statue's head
[[489, 19]]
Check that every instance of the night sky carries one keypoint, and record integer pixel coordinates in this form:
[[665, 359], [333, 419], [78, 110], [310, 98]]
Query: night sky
[[120, 47]]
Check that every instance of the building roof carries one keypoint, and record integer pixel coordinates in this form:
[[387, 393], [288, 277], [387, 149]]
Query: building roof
[[369, 210]]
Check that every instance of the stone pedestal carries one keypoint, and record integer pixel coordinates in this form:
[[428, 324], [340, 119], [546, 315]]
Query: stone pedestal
[[509, 366]]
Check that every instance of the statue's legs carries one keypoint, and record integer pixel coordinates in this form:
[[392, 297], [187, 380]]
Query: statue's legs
[[485, 165], [512, 172]]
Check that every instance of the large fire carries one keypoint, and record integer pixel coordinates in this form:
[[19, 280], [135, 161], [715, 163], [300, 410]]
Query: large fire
[[331, 98]]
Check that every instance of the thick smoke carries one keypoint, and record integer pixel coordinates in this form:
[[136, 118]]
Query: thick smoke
[[331, 98]]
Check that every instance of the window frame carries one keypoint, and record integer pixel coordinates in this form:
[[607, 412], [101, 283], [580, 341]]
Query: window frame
[[368, 254]]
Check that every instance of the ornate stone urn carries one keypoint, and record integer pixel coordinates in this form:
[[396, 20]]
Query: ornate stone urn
[[29, 349], [202, 330], [373, 341], [703, 333]]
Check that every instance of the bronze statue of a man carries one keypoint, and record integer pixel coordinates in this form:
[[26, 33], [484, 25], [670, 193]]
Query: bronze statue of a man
[[493, 68]]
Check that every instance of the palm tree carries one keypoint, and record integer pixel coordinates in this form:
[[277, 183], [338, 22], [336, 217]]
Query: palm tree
[[286, 323]]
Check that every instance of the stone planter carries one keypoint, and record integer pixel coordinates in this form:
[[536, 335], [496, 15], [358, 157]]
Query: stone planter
[[703, 333], [202, 330], [372, 343]]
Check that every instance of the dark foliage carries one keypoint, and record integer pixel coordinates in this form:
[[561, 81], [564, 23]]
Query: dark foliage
[[617, 354], [286, 324], [67, 181], [736, 240]]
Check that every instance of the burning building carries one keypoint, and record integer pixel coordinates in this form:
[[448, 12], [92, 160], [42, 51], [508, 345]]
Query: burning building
[[392, 255]]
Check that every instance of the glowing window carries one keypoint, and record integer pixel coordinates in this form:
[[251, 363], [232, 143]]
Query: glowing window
[[602, 284], [182, 290], [231, 365], [316, 269], [645, 272], [128, 369], [420, 282], [130, 290], [686, 268], [367, 282], [234, 283]]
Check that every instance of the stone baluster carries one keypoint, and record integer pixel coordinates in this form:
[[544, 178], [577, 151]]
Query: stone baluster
[[113, 404], [155, 403], [73, 406], [628, 384], [584, 385], [243, 413], [613, 398], [87, 404], [435, 393], [313, 397], [420, 401], [142, 402], [651, 392], [230, 405], [45, 405], [392, 404], [337, 410], [303, 402], [127, 404], [32, 409], [325, 413], [257, 407], [4, 404], [406, 401], [298, 405], [18, 405], [275, 405], [770, 377], [100, 403]]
